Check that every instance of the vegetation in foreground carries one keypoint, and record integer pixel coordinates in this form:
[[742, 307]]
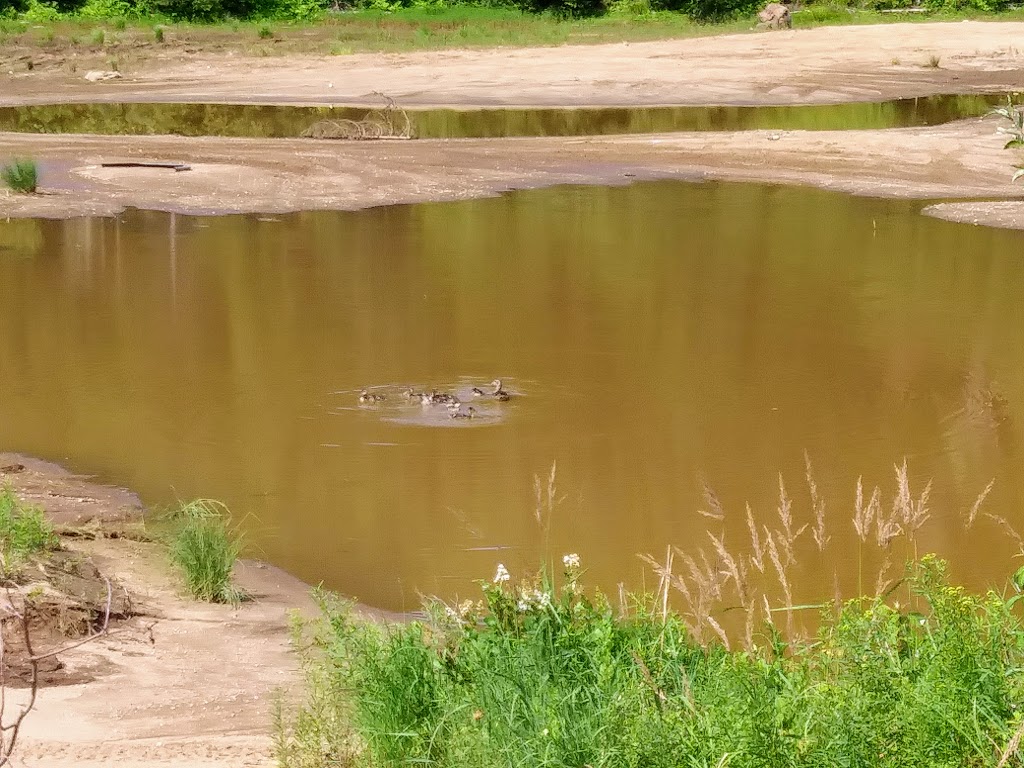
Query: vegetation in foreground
[[21, 175], [546, 673], [204, 548]]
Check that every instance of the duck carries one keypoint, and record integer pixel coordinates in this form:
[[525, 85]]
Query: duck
[[371, 397], [498, 392], [469, 414], [443, 398], [477, 392]]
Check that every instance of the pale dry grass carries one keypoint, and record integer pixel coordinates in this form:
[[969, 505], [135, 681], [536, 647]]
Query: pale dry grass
[[714, 580]]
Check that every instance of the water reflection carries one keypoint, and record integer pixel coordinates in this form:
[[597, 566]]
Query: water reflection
[[266, 121], [661, 334]]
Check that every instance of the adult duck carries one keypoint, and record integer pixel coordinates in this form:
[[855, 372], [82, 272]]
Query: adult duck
[[499, 393]]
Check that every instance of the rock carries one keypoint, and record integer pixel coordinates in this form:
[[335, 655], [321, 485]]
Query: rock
[[94, 76], [775, 16]]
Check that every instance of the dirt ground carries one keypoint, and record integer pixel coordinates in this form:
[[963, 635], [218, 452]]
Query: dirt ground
[[179, 684]]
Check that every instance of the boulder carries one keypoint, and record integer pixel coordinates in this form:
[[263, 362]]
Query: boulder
[[775, 16]]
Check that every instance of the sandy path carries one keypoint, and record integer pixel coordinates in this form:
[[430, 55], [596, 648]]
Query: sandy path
[[823, 65]]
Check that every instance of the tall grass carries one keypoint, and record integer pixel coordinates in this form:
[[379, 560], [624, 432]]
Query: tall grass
[[21, 175], [541, 671], [205, 547], [24, 532]]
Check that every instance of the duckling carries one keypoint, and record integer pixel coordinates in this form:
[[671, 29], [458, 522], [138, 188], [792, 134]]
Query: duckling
[[410, 395], [477, 392], [498, 392], [443, 398], [453, 407], [469, 414], [371, 397]]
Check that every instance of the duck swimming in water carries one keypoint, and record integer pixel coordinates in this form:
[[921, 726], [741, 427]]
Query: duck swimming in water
[[371, 397], [457, 414], [499, 393], [410, 395], [477, 392]]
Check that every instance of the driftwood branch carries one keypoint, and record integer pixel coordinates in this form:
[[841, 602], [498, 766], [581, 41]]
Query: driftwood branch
[[17, 610]]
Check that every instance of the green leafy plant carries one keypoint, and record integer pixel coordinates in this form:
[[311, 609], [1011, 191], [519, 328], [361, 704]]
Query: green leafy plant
[[205, 547], [265, 33], [21, 175], [1013, 113]]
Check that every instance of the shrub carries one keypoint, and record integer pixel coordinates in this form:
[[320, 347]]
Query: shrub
[[205, 548], [21, 175]]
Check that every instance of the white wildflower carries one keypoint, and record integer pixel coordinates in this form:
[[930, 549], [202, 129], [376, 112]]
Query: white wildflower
[[571, 560], [502, 574]]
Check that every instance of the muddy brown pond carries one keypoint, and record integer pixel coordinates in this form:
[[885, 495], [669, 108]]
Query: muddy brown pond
[[654, 337]]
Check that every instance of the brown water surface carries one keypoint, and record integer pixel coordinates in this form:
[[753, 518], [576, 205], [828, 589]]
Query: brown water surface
[[652, 336]]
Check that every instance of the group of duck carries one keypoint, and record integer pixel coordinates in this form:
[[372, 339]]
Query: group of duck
[[448, 400]]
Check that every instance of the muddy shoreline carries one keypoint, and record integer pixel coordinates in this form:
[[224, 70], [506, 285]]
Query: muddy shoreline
[[180, 683]]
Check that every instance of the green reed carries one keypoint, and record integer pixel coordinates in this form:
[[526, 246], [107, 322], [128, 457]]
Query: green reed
[[24, 531], [21, 175], [546, 674], [205, 547]]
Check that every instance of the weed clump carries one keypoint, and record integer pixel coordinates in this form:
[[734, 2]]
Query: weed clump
[[24, 532], [204, 548], [21, 176]]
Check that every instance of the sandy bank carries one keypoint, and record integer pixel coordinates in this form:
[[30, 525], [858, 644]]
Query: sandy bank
[[810, 66], [958, 160], [181, 683]]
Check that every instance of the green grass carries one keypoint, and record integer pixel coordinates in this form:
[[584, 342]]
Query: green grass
[[24, 532], [715, 668], [420, 29], [544, 675], [204, 548], [21, 175]]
